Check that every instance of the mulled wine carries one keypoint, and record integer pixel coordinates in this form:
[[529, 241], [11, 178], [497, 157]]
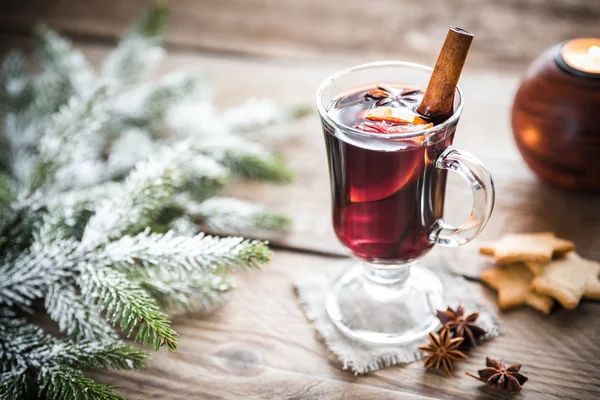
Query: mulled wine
[[385, 202]]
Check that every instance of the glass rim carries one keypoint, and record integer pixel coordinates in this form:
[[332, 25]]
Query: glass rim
[[330, 79]]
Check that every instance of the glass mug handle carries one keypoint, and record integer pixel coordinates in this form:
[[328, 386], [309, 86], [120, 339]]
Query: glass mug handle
[[472, 170]]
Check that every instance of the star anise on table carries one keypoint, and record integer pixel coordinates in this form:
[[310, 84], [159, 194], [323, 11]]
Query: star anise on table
[[460, 325], [496, 375], [442, 350], [392, 97]]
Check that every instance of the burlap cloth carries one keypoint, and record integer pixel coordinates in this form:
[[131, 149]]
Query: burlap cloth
[[363, 358]]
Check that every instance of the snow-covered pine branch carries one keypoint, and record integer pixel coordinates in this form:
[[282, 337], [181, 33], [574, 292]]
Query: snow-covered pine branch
[[150, 186], [127, 304], [231, 216], [26, 352], [76, 317], [64, 65], [72, 138], [25, 277], [139, 52], [245, 158], [92, 168], [194, 254], [181, 290]]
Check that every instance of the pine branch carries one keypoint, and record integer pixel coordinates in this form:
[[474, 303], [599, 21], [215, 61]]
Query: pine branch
[[246, 159], [20, 141], [267, 168], [16, 86], [7, 191], [73, 203], [146, 107], [96, 355], [25, 278], [236, 217], [147, 188], [17, 338], [84, 244], [258, 114], [183, 225], [58, 58], [18, 224], [152, 25], [131, 62], [186, 291], [139, 52], [171, 90], [25, 350], [13, 384], [133, 145], [74, 316], [61, 382], [126, 302], [185, 254], [69, 137], [203, 176], [27, 346]]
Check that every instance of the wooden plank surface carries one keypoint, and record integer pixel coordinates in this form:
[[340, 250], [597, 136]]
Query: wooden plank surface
[[261, 346], [507, 32]]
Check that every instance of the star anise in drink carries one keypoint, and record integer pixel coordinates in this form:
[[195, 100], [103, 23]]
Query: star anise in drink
[[460, 325], [442, 350], [392, 97], [496, 375]]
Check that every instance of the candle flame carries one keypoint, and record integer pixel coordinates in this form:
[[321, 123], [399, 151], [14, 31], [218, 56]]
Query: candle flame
[[594, 53]]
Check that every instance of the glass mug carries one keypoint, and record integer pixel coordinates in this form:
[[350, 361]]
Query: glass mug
[[387, 204]]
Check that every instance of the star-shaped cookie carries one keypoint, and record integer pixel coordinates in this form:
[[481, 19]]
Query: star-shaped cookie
[[527, 247], [512, 282], [569, 279]]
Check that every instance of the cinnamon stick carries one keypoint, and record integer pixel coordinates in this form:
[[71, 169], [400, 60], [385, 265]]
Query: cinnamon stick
[[439, 96]]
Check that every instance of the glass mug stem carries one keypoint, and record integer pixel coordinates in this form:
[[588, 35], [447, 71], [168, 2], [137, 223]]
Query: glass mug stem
[[472, 170]]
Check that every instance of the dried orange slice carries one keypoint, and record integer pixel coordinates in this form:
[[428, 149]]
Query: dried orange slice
[[392, 114]]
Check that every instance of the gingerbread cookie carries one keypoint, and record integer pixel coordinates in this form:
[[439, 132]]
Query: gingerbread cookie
[[512, 282], [527, 247], [536, 267], [569, 279]]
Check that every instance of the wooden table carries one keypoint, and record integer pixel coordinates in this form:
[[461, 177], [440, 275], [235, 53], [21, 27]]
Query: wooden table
[[260, 345]]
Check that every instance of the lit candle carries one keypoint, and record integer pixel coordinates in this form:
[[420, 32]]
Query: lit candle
[[580, 57]]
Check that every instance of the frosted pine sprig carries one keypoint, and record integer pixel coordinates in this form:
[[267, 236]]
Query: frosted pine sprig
[[180, 253], [93, 232], [76, 317], [236, 217]]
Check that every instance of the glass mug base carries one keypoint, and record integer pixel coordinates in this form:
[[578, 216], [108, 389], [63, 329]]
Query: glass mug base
[[386, 306]]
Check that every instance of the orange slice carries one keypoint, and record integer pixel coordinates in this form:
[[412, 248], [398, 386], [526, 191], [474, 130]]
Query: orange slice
[[394, 172], [392, 114]]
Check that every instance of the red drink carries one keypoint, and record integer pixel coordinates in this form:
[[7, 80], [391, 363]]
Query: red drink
[[385, 201]]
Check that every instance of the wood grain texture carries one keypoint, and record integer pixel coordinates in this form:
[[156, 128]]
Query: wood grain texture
[[508, 32], [261, 346]]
